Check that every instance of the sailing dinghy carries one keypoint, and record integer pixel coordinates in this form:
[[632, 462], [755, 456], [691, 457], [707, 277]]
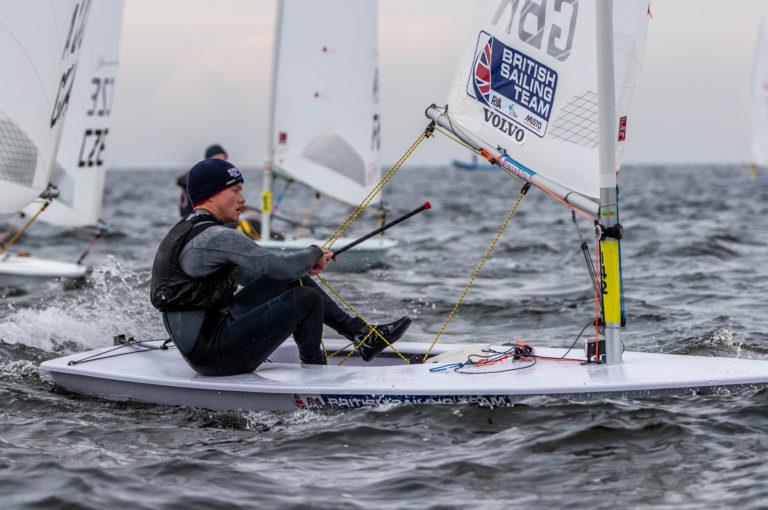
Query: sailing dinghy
[[548, 107], [40, 43], [325, 125], [77, 172], [760, 101]]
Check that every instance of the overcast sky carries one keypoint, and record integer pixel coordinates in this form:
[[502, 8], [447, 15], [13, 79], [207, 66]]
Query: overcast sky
[[194, 72]]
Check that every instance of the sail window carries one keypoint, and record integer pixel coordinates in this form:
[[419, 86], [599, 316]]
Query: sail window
[[18, 155], [577, 121]]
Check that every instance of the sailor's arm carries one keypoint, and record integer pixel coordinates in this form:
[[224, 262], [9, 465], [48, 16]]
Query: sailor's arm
[[218, 246]]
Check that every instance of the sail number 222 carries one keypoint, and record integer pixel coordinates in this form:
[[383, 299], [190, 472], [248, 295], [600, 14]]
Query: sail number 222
[[536, 18]]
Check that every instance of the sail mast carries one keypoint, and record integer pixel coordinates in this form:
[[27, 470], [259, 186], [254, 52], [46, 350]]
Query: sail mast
[[610, 259], [267, 175]]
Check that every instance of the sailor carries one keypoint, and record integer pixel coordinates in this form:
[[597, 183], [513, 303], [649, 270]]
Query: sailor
[[200, 263], [215, 151], [249, 224]]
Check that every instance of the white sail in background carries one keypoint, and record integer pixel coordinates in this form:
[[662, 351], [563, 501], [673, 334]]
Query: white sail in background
[[326, 114], [39, 45], [79, 170], [528, 85], [760, 99]]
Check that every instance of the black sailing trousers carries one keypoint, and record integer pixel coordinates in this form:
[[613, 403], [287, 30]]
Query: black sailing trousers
[[261, 317]]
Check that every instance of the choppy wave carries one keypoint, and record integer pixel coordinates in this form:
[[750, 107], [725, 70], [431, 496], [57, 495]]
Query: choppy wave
[[113, 301], [695, 283]]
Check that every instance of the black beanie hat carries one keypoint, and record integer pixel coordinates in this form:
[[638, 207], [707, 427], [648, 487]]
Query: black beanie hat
[[209, 177], [213, 150]]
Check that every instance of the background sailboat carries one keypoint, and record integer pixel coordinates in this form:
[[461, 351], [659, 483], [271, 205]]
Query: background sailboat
[[325, 125], [41, 42], [474, 163], [80, 169], [760, 101]]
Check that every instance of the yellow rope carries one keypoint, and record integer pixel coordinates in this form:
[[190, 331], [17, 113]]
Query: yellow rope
[[479, 267], [373, 330], [308, 217], [457, 140], [18, 234], [17, 218], [357, 211], [329, 356]]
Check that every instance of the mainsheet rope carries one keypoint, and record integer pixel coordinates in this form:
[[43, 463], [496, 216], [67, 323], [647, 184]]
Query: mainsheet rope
[[371, 329], [346, 224], [479, 267], [595, 271], [357, 211]]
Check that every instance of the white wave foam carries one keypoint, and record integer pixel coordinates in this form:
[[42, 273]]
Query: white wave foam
[[21, 369], [115, 301]]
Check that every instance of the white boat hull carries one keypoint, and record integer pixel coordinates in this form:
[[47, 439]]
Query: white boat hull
[[368, 254], [33, 267], [163, 377]]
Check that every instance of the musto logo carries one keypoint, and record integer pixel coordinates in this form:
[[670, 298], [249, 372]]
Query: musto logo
[[515, 90]]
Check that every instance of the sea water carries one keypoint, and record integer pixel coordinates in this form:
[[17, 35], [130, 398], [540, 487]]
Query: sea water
[[696, 282]]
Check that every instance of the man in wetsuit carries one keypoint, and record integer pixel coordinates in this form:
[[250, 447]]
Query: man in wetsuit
[[199, 265], [215, 151]]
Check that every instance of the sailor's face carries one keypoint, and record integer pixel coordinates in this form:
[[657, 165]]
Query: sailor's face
[[230, 203]]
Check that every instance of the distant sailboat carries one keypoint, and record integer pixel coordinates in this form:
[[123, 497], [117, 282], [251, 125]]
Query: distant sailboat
[[325, 125], [473, 164], [77, 172], [760, 101]]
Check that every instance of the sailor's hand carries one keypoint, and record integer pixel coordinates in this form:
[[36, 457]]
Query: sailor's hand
[[318, 268], [322, 263]]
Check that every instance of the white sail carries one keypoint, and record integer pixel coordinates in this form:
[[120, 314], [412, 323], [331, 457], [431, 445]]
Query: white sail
[[760, 99], [39, 45], [79, 170], [326, 125], [527, 85]]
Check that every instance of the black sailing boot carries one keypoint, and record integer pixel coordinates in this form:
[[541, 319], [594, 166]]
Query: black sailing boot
[[373, 345]]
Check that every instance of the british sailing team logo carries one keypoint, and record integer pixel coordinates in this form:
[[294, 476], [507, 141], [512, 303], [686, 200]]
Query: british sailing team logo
[[483, 72], [516, 91]]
